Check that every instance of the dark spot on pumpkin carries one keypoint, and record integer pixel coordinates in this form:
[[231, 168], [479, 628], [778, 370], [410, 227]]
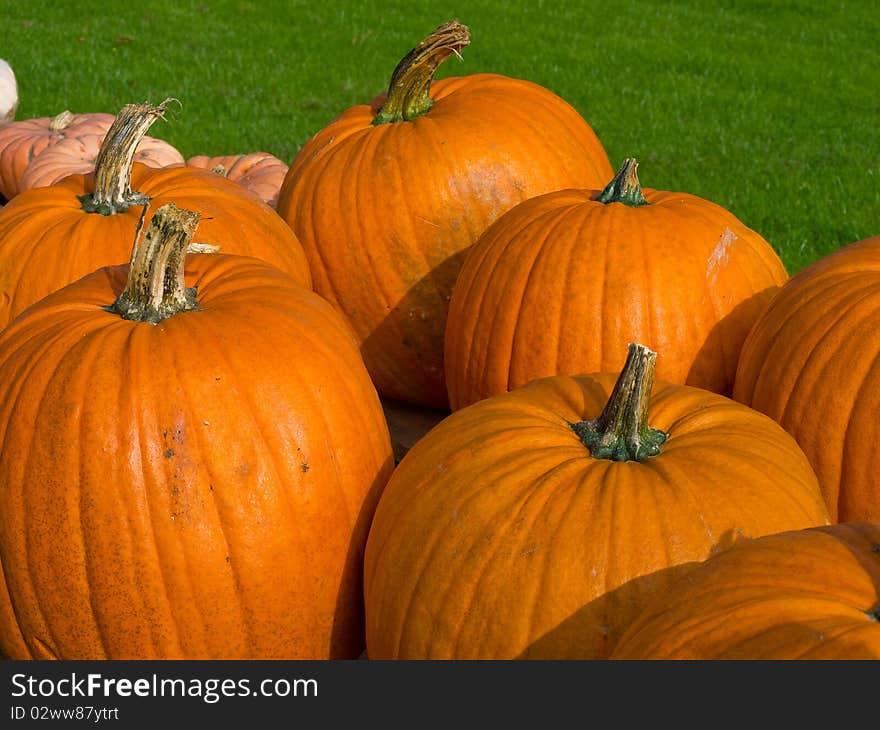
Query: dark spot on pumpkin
[[304, 467], [228, 559], [169, 453], [875, 548], [175, 490]]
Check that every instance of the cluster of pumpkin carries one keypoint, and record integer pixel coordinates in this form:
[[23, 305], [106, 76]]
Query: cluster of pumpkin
[[195, 460]]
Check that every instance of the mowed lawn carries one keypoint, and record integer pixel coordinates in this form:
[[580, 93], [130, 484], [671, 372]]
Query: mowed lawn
[[769, 108]]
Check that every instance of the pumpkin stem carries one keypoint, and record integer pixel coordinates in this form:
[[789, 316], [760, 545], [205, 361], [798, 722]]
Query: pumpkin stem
[[624, 188], [155, 288], [408, 91], [113, 193], [60, 121], [621, 432]]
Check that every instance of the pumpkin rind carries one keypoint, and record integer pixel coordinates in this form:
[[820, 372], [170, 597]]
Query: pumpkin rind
[[199, 488], [386, 211], [808, 594], [812, 363], [500, 536], [560, 284]]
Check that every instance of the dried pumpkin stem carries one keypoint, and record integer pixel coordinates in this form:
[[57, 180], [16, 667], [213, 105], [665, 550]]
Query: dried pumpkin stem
[[113, 193], [624, 188], [621, 432], [61, 121], [408, 95], [155, 288]]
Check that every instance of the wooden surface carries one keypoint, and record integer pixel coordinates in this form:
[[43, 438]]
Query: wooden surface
[[408, 424]]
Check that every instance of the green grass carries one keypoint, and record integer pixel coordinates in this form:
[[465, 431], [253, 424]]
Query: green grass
[[771, 109]]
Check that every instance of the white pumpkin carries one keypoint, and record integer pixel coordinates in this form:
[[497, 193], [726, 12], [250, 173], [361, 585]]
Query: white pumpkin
[[8, 93]]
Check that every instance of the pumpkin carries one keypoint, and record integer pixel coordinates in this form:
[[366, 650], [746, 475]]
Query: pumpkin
[[53, 235], [8, 93], [22, 141], [259, 172], [812, 363], [78, 155], [538, 523], [564, 281], [190, 461], [806, 594], [387, 198]]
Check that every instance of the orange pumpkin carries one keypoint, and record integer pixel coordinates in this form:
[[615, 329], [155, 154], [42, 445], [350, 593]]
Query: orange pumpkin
[[812, 363], [54, 235], [808, 594], [78, 155], [22, 141], [388, 197], [562, 282], [259, 172], [535, 524], [190, 472]]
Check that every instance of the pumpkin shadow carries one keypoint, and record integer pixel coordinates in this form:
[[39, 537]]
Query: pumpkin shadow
[[783, 628], [416, 325], [594, 630], [729, 332], [348, 638]]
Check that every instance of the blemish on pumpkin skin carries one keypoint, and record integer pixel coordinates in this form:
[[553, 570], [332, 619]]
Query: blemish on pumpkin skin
[[304, 467], [243, 469], [169, 453], [720, 254]]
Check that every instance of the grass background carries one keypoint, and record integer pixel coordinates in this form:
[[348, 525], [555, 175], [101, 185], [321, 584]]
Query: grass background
[[770, 108]]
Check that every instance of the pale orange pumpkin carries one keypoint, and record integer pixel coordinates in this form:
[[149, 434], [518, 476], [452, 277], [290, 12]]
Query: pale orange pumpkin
[[78, 155], [259, 172], [21, 141]]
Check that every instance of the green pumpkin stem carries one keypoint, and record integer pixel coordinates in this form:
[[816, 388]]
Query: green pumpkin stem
[[113, 193], [411, 81], [155, 288], [624, 188], [621, 432]]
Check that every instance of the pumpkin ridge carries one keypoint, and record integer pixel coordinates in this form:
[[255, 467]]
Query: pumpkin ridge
[[46, 629], [535, 270], [866, 384], [543, 485], [815, 350], [204, 341], [428, 549], [146, 484]]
